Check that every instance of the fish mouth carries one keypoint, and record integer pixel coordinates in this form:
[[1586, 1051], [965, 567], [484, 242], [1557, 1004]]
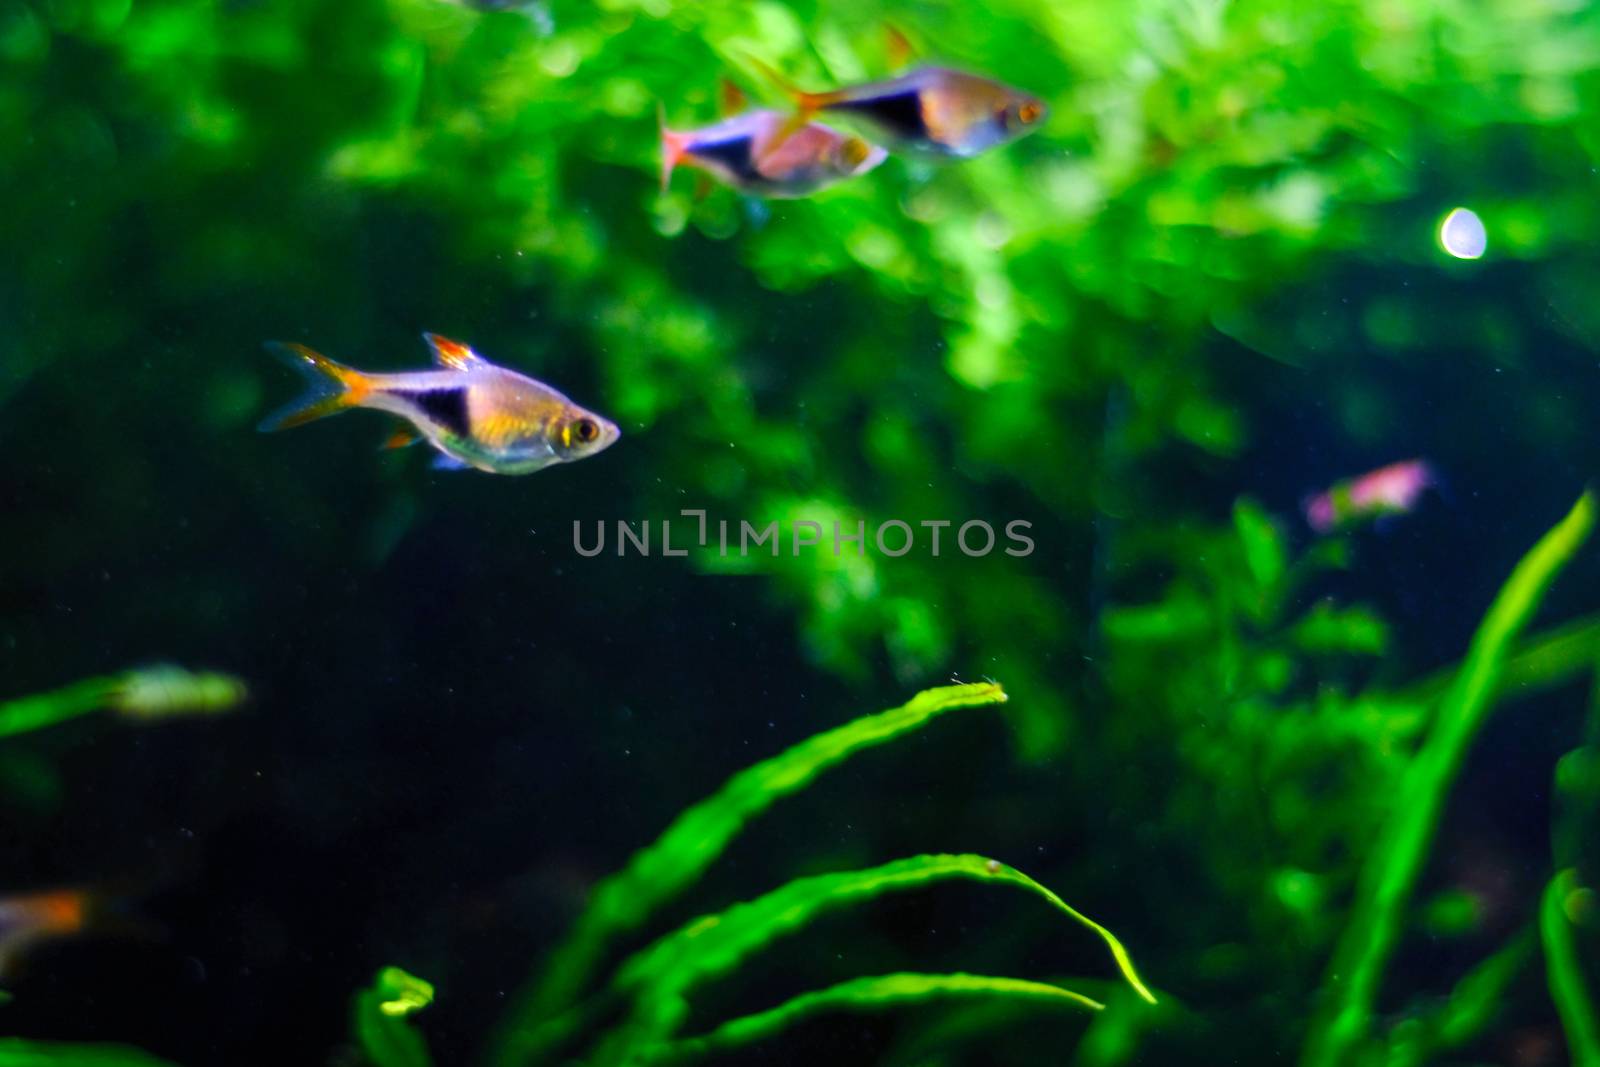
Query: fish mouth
[[877, 154]]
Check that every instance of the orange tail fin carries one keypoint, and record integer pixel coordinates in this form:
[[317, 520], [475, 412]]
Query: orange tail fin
[[674, 146], [333, 387]]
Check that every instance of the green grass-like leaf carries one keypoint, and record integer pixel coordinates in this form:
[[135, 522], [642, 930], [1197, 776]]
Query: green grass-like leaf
[[148, 694], [714, 944], [16, 1052], [661, 977], [870, 994], [1474, 1004], [1390, 874], [1568, 988], [30, 713], [380, 1013], [1551, 657], [660, 872]]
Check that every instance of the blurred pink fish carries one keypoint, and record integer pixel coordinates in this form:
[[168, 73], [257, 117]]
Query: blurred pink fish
[[1391, 490]]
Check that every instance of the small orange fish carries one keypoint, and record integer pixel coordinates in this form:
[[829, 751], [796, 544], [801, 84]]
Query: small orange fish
[[476, 414], [756, 153], [1390, 490], [31, 918], [932, 109]]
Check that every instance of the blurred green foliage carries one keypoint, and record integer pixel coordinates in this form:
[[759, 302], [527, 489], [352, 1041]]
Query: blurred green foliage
[[380, 1015], [15, 1052]]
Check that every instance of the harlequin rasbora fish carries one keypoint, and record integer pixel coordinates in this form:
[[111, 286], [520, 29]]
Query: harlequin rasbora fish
[[933, 109], [746, 153], [475, 413]]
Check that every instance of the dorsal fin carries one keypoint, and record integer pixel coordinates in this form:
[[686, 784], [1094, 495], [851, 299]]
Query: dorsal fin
[[452, 354], [730, 98], [897, 47]]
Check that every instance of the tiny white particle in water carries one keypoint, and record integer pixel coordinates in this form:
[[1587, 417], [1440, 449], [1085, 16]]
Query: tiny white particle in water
[[1462, 234]]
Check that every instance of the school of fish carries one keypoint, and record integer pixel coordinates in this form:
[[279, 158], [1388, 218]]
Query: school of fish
[[930, 111], [476, 414]]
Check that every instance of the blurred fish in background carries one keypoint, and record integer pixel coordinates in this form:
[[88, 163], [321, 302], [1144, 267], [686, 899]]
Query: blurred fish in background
[[931, 110], [751, 153], [1391, 490], [29, 919]]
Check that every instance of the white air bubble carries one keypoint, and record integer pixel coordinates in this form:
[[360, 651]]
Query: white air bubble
[[1462, 234]]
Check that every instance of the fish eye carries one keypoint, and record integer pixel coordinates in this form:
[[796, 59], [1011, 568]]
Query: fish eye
[[854, 152], [1029, 113], [585, 430]]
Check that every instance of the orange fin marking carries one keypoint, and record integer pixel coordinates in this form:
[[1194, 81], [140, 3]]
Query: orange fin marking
[[63, 911], [401, 438], [452, 355]]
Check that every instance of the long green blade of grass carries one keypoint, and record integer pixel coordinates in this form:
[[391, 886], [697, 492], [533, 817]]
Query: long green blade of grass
[[1551, 657], [869, 994], [660, 872], [715, 944], [26, 714], [1472, 1007], [660, 977], [1390, 873], [1567, 986], [16, 1052], [151, 693]]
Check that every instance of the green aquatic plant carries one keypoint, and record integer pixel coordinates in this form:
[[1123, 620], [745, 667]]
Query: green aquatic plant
[[381, 1019], [657, 874], [147, 694], [660, 978], [1253, 703], [1199, 161], [1100, 329], [654, 984], [16, 1052], [1472, 1006], [869, 994], [1390, 872], [1563, 964], [1273, 711], [1549, 658]]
